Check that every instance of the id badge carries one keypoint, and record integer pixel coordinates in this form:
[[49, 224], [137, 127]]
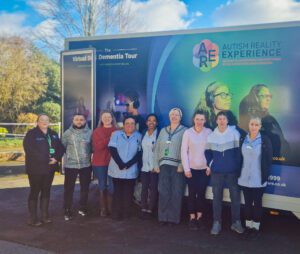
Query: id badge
[[168, 142], [166, 151], [52, 151], [249, 147]]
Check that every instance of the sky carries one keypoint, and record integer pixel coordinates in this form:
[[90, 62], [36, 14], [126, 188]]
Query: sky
[[21, 17]]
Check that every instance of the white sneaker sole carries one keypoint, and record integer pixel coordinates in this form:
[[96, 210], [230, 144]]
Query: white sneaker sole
[[82, 214]]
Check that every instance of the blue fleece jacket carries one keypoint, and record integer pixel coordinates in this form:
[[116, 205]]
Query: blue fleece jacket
[[222, 151]]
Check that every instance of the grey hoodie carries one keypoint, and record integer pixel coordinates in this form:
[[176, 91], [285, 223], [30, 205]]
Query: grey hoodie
[[77, 143]]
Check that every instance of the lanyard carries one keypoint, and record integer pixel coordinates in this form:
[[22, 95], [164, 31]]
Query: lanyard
[[51, 150], [171, 134], [49, 140]]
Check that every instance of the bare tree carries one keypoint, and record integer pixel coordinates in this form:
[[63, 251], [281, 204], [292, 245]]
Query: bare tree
[[69, 18]]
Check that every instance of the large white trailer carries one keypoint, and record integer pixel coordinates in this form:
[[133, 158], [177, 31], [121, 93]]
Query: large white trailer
[[177, 68]]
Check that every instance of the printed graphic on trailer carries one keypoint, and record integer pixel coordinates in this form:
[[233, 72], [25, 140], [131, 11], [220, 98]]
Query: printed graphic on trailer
[[245, 73]]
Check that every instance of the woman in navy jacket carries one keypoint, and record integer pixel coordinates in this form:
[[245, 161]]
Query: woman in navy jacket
[[43, 150]]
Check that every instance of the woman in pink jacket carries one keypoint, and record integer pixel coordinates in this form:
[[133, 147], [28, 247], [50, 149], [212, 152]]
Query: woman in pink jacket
[[195, 167]]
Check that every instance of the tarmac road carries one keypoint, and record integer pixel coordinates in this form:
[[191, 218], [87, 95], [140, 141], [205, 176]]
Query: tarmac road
[[280, 234]]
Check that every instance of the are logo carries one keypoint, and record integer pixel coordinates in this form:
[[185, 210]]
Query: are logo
[[206, 55]]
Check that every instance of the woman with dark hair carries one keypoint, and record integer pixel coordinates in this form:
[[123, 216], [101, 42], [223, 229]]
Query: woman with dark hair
[[217, 98], [125, 149], [257, 103], [149, 177], [195, 167], [43, 150], [256, 162], [101, 158], [223, 157]]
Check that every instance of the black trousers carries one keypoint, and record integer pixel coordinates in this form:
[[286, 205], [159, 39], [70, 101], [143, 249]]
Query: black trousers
[[69, 185], [122, 197], [197, 187], [40, 185], [149, 188], [253, 203]]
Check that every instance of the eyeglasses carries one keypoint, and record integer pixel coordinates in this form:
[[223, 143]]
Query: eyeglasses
[[265, 96], [224, 95]]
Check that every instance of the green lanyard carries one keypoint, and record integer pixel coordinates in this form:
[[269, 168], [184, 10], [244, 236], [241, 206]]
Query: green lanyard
[[169, 141], [51, 150], [171, 134]]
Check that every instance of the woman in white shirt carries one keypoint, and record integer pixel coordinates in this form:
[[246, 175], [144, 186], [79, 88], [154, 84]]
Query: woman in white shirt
[[149, 177]]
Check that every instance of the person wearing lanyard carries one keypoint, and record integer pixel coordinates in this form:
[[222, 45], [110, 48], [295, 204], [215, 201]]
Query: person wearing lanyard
[[256, 163], [149, 177], [125, 149], [195, 167], [78, 144], [43, 150], [167, 162]]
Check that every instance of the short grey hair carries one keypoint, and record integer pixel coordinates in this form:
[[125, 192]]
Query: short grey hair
[[255, 118]]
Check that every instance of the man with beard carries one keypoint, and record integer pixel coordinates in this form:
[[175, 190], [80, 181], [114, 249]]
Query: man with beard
[[77, 142]]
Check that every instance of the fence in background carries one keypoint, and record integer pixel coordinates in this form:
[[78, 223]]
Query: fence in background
[[11, 139]]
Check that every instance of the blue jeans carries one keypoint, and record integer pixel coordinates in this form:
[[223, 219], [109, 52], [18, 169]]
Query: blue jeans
[[217, 181], [104, 180]]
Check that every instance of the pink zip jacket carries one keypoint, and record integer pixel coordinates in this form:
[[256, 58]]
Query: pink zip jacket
[[193, 148]]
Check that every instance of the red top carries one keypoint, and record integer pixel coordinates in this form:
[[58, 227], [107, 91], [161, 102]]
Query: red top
[[100, 140]]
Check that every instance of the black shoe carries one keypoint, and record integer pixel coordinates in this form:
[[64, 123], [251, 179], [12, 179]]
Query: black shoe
[[44, 211], [33, 220], [34, 223], [193, 224], [247, 234], [255, 234], [171, 224], [200, 224], [68, 215], [145, 215], [46, 220], [163, 223]]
